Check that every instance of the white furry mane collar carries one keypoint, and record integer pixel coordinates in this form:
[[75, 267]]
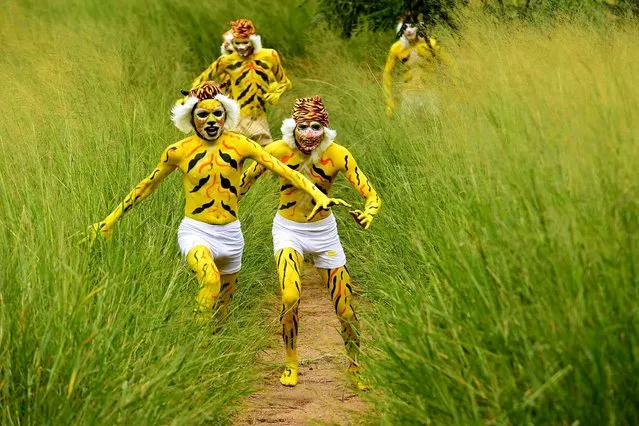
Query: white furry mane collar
[[256, 41], [288, 135], [182, 114]]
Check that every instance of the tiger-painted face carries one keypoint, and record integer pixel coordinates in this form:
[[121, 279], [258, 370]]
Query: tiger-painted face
[[308, 135], [209, 117], [242, 46], [410, 32]]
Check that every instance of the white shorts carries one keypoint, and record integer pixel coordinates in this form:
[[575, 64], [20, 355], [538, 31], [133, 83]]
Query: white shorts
[[317, 238], [225, 242]]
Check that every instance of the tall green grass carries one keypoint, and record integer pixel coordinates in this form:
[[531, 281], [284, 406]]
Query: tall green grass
[[503, 267], [500, 275], [104, 335]]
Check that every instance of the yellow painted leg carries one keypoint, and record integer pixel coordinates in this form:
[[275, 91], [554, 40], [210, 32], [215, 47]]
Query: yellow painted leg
[[229, 285], [339, 284], [289, 269], [201, 262]]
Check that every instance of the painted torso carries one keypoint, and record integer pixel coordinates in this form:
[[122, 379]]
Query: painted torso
[[295, 204], [419, 61], [249, 79], [211, 172]]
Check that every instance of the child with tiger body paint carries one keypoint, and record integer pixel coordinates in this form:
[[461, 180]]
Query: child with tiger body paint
[[255, 76], [308, 146], [420, 57], [211, 163]]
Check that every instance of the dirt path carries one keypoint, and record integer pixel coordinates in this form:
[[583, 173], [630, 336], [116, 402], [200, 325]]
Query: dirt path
[[324, 395]]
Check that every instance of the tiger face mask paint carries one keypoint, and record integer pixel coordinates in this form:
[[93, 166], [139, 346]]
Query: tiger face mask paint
[[209, 117], [243, 47], [410, 32], [308, 136]]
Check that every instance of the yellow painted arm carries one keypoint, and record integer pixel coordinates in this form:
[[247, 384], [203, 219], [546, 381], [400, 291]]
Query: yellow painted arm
[[212, 73], [249, 177], [360, 182], [389, 68], [142, 190], [282, 83]]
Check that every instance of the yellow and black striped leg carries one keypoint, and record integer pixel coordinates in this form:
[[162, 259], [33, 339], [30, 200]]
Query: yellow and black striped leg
[[339, 284], [201, 263], [229, 285], [289, 268]]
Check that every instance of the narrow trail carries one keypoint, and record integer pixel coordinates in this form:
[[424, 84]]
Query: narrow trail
[[324, 394]]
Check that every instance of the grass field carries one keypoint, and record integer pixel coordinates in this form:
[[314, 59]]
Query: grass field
[[500, 278]]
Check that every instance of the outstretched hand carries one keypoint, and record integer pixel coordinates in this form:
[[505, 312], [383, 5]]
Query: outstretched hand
[[362, 218], [272, 98], [96, 230], [325, 204]]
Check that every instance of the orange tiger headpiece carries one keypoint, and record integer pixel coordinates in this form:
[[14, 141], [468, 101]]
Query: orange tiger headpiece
[[310, 109], [181, 114], [242, 28], [243, 33], [297, 133]]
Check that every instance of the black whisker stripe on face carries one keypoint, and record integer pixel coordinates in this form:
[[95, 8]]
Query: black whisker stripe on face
[[195, 160], [203, 207], [201, 183]]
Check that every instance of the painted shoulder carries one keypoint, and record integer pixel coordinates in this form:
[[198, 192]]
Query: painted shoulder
[[267, 54], [278, 148], [337, 152], [397, 48], [174, 152], [230, 135]]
